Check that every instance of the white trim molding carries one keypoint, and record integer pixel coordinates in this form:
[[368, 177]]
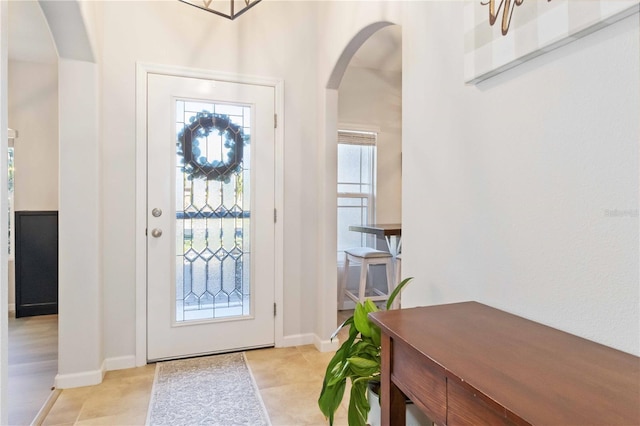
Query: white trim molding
[[142, 70], [326, 345], [298, 340], [120, 363], [76, 380]]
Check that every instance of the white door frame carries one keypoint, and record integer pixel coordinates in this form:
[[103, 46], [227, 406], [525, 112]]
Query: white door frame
[[142, 69]]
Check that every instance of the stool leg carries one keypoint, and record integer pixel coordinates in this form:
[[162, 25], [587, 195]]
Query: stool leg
[[363, 280], [396, 304], [343, 282], [390, 284], [398, 270]]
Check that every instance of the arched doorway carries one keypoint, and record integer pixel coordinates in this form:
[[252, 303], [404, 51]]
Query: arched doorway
[[332, 122], [80, 295]]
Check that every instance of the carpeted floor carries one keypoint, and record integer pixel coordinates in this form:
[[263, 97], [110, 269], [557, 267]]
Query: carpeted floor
[[212, 390]]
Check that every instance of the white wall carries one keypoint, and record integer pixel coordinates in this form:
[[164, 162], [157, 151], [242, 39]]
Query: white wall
[[351, 23], [510, 215], [80, 307], [374, 97], [509, 186], [508, 198], [273, 40], [33, 112]]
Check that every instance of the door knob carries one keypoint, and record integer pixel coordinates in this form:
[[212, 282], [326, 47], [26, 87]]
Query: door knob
[[156, 212], [156, 232]]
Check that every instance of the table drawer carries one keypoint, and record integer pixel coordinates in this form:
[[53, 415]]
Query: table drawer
[[469, 407], [421, 380]]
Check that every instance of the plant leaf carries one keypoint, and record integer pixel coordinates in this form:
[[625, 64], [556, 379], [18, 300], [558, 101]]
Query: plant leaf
[[330, 399], [363, 367], [339, 372], [335, 381], [376, 335], [397, 291], [369, 306], [345, 323], [367, 349], [358, 403], [361, 320], [357, 358]]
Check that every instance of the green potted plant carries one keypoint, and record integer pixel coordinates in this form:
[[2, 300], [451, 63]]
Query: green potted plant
[[358, 359]]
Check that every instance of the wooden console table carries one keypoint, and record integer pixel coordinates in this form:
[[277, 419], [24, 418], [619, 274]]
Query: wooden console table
[[468, 363]]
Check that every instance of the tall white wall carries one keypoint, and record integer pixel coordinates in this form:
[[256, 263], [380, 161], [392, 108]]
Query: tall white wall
[[374, 97], [81, 317], [522, 192], [33, 112], [274, 40], [513, 215]]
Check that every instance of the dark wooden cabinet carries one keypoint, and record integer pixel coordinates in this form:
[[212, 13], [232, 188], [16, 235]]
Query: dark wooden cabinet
[[36, 257]]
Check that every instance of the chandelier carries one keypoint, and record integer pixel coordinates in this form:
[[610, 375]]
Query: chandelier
[[228, 8]]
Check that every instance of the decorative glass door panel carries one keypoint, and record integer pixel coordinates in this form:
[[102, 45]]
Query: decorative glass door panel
[[213, 213], [210, 199]]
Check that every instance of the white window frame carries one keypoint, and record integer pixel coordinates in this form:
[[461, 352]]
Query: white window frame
[[361, 135]]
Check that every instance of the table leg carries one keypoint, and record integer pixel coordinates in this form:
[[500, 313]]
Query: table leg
[[392, 401], [394, 243]]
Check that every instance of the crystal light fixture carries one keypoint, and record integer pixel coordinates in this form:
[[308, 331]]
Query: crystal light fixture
[[228, 8]]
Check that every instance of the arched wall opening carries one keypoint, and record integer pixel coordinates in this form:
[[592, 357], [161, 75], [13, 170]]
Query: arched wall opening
[[328, 288]]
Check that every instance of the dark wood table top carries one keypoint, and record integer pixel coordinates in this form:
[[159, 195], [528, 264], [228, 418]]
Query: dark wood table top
[[541, 374], [379, 229]]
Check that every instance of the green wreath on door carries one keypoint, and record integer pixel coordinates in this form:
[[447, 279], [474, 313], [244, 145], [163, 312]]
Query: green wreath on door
[[199, 127]]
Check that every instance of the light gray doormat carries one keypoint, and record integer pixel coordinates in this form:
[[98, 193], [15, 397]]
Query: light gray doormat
[[212, 390]]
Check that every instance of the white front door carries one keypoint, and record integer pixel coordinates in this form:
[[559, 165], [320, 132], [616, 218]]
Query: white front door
[[210, 216]]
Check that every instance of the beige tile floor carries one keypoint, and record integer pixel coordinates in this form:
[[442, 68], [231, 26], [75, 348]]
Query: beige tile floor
[[289, 380]]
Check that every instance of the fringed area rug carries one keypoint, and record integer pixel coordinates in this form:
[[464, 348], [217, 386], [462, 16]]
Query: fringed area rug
[[213, 390]]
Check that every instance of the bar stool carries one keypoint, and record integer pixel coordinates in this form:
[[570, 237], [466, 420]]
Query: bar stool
[[366, 257]]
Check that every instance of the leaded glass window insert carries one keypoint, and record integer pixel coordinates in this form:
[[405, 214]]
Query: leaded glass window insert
[[213, 216]]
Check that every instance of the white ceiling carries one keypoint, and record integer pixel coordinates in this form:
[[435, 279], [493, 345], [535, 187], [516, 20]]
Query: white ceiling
[[382, 51], [30, 40], [29, 36]]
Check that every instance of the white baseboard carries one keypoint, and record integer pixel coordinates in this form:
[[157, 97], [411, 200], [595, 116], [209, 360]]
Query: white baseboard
[[120, 363], [76, 380], [12, 307], [297, 340], [326, 345]]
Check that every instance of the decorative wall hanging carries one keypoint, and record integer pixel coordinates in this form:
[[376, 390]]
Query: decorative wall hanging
[[189, 138], [230, 9], [500, 34]]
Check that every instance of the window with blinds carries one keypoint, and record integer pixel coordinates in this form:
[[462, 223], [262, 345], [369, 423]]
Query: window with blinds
[[356, 186]]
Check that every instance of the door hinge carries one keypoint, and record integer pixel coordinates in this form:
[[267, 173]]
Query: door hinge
[[275, 121], [145, 232], [274, 310], [275, 215]]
